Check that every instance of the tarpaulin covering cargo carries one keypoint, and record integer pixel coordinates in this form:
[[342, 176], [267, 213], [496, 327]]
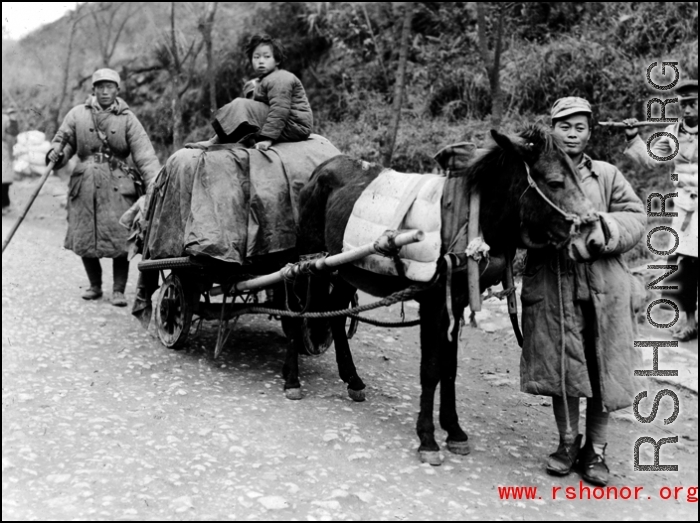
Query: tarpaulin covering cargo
[[231, 203]]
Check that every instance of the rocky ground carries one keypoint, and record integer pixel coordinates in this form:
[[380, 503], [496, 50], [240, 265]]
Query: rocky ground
[[100, 421]]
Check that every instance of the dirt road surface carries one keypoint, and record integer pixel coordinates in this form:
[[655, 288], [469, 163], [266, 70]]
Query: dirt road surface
[[100, 421]]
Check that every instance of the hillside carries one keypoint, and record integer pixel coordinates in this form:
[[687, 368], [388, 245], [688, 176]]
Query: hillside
[[346, 53], [34, 68]]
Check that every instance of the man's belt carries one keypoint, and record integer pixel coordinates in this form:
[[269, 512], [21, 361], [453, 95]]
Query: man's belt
[[104, 158]]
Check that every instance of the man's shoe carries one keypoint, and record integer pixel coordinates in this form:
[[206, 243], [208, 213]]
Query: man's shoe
[[592, 466], [118, 299], [562, 461], [93, 293]]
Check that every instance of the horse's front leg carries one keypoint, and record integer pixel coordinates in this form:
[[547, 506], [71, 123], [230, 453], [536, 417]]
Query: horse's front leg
[[292, 328], [340, 298], [457, 439], [431, 339], [290, 369]]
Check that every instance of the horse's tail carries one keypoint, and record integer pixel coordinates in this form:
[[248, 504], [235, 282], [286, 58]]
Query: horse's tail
[[313, 292], [315, 217], [313, 200]]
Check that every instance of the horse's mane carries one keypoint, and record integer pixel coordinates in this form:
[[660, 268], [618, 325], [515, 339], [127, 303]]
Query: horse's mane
[[494, 164]]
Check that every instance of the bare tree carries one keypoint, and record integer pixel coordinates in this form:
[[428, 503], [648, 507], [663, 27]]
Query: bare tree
[[399, 86], [206, 27], [492, 61], [178, 55], [75, 19], [109, 20]]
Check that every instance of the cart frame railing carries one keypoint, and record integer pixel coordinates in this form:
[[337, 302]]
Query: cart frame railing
[[175, 319]]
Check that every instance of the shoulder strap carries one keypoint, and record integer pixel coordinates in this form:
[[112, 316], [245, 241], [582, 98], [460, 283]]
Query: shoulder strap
[[100, 133]]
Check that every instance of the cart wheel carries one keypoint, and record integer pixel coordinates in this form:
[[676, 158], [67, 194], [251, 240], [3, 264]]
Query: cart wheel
[[174, 310]]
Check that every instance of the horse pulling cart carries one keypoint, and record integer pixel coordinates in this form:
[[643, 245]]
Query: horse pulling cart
[[190, 291]]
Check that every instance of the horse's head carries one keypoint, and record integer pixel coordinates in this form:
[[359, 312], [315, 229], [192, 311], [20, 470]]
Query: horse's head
[[553, 208]]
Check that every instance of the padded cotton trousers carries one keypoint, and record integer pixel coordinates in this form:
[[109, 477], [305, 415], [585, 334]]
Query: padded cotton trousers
[[120, 269]]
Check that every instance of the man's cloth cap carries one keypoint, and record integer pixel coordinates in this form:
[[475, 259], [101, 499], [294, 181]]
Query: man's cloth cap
[[570, 105], [687, 90], [106, 75]]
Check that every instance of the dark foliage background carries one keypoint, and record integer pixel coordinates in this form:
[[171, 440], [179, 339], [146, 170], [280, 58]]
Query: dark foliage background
[[346, 53]]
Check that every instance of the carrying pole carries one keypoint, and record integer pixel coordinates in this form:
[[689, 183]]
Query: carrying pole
[[638, 124], [44, 177], [473, 275]]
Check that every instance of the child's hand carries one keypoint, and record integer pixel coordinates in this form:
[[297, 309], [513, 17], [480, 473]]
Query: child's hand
[[264, 145]]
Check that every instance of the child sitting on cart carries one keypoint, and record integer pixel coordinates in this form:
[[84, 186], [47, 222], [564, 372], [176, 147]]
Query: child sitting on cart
[[277, 111]]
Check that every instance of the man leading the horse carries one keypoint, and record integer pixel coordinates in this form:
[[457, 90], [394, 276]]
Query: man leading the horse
[[589, 305]]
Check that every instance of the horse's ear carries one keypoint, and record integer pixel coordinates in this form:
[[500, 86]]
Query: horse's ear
[[503, 141], [509, 144]]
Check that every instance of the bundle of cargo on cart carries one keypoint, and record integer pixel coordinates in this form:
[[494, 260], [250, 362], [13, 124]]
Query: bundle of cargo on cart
[[222, 227]]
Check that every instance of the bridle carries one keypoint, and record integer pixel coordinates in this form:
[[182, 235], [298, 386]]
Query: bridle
[[569, 217]]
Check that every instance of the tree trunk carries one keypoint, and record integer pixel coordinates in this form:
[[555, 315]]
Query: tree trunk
[[211, 80], [492, 63], [66, 66], [399, 86], [376, 45], [495, 77], [176, 106], [175, 70], [206, 27], [66, 74]]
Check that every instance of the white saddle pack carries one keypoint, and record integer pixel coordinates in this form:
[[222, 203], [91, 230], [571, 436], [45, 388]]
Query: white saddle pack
[[394, 201]]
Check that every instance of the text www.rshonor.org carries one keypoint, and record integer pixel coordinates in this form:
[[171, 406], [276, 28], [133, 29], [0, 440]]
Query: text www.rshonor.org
[[583, 491]]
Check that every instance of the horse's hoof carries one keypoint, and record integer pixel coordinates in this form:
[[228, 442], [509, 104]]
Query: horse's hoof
[[293, 394], [431, 457], [459, 447], [357, 395]]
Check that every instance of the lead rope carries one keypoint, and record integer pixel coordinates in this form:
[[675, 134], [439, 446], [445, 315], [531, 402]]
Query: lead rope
[[568, 434], [448, 296]]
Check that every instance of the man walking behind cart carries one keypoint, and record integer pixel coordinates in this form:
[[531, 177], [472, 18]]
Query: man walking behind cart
[[103, 132]]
